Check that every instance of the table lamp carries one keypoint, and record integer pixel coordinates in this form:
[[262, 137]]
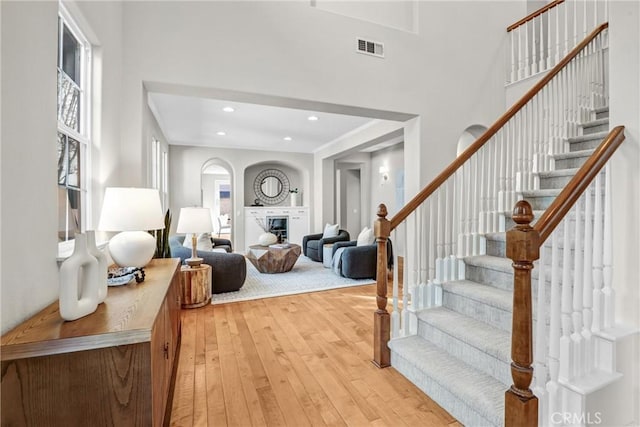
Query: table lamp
[[194, 220], [132, 211]]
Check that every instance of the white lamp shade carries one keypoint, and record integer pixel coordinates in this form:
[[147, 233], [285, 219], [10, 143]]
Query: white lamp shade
[[131, 209], [194, 220]]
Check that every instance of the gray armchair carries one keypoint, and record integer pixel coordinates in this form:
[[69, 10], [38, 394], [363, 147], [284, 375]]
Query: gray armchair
[[358, 262], [312, 244], [229, 269]]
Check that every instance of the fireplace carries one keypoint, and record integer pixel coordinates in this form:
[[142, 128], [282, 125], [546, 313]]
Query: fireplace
[[279, 225]]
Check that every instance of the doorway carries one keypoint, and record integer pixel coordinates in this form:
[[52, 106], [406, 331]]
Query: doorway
[[217, 192]]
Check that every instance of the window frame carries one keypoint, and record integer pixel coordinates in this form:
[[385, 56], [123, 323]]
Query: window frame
[[84, 132]]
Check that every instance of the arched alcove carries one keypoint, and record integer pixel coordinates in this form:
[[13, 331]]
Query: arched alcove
[[468, 137], [297, 178]]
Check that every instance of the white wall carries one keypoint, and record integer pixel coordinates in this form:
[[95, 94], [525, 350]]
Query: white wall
[[624, 66], [394, 14], [29, 270], [29, 203], [385, 191], [185, 165]]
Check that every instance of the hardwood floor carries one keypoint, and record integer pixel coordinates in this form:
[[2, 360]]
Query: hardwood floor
[[297, 360]]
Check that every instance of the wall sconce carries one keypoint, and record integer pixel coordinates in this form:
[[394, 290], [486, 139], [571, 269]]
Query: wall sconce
[[384, 174]]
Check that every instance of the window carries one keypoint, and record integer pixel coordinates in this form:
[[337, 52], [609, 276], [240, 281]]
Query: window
[[160, 172], [73, 142]]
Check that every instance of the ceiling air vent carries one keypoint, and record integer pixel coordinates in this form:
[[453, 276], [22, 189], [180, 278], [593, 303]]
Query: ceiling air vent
[[369, 47]]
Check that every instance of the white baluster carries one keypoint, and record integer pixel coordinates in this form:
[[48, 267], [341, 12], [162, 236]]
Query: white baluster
[[557, 40], [422, 255], [554, 327], [607, 255], [405, 291], [598, 279], [575, 23], [565, 10], [534, 51], [566, 349], [395, 311], [587, 277], [540, 352], [521, 57], [576, 337], [542, 65], [514, 59]]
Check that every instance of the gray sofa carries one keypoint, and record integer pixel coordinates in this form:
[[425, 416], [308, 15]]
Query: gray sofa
[[229, 269], [359, 262]]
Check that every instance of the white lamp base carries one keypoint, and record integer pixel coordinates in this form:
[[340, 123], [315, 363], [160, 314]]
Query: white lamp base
[[132, 248]]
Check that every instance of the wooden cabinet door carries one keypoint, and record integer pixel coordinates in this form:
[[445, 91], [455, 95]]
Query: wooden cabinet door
[[159, 352]]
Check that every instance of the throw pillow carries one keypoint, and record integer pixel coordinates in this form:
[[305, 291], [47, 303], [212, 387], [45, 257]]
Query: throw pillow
[[330, 230], [366, 237], [204, 242]]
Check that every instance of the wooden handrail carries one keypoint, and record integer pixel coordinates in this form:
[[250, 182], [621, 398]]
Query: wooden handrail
[[417, 200], [535, 14], [578, 184]]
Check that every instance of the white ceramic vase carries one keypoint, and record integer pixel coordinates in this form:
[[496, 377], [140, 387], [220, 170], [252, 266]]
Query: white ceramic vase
[[267, 239], [79, 278], [294, 199], [102, 265]]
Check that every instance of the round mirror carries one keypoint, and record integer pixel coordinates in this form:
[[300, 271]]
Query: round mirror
[[271, 186]]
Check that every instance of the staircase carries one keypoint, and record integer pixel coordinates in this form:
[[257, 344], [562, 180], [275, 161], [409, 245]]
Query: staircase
[[461, 354]]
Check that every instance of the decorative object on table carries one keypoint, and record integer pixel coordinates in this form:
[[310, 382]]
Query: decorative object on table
[[102, 265], [273, 260], [163, 249], [196, 285], [79, 281], [118, 276], [256, 202], [130, 211], [267, 238], [293, 193], [194, 221], [271, 186]]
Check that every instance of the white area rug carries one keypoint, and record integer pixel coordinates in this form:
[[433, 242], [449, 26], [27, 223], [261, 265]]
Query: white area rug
[[306, 276]]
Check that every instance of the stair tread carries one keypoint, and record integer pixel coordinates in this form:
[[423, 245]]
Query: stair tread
[[497, 237], [490, 262], [486, 294], [479, 391], [596, 122], [574, 154], [548, 192], [489, 339], [558, 172], [601, 109], [589, 137]]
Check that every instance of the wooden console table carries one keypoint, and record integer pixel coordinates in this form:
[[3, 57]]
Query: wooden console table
[[112, 367]]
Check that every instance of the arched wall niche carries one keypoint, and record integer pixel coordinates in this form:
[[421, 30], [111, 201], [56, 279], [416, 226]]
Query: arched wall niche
[[468, 137], [298, 179]]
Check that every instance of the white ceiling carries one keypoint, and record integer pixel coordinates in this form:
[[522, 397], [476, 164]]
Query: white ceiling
[[187, 120]]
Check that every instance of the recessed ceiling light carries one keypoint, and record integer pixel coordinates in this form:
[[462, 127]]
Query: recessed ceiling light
[[221, 133], [312, 118], [288, 138], [228, 109]]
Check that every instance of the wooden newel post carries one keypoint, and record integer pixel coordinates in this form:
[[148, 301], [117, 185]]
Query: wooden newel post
[[381, 319], [523, 247]]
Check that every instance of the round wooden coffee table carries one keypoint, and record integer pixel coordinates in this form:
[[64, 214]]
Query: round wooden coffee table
[[271, 260]]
